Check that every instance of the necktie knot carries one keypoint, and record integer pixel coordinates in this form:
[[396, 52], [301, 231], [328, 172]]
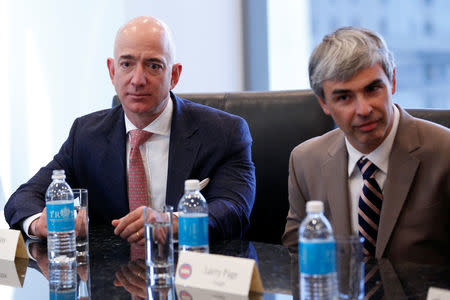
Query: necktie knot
[[138, 137], [367, 168]]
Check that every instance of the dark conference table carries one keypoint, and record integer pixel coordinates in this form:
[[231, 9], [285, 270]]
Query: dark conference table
[[113, 275]]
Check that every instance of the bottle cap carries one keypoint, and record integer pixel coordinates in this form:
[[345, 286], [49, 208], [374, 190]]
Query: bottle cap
[[314, 206], [58, 174], [192, 184]]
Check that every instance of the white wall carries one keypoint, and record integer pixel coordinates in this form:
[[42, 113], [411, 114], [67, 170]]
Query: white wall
[[54, 66], [208, 35], [289, 44]]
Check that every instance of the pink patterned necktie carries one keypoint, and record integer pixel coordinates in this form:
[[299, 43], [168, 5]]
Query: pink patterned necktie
[[137, 182]]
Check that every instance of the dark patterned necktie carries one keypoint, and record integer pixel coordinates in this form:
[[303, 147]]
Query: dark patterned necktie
[[137, 182], [369, 206], [373, 285]]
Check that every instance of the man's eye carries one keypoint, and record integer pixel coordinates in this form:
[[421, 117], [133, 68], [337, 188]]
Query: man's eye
[[124, 64], [154, 66], [342, 98], [373, 88]]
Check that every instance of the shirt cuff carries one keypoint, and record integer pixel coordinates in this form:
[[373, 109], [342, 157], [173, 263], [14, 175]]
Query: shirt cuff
[[26, 225], [27, 247]]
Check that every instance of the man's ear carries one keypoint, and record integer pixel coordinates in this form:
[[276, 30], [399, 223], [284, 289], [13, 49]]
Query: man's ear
[[112, 71], [176, 72], [394, 82], [323, 104]]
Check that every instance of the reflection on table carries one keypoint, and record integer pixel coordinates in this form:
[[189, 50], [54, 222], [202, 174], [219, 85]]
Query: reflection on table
[[117, 271], [397, 280]]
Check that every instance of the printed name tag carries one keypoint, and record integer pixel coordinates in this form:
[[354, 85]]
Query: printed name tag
[[438, 294], [226, 274], [11, 245]]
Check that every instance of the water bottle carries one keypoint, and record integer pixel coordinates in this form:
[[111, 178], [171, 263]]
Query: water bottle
[[193, 219], [62, 281], [317, 255], [61, 246]]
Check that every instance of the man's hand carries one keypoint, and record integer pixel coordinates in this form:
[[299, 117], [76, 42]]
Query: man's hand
[[131, 226], [81, 223], [132, 278], [38, 227], [38, 251], [83, 272]]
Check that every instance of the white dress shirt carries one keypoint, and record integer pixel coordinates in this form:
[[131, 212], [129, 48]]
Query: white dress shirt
[[379, 157], [155, 156]]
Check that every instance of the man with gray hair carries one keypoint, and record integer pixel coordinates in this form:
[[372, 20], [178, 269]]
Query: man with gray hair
[[382, 173]]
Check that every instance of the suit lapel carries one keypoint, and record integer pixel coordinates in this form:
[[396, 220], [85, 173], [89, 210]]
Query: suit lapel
[[335, 176], [112, 162], [183, 150], [401, 172]]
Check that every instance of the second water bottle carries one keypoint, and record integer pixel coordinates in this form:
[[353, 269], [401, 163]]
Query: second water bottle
[[317, 255], [193, 219]]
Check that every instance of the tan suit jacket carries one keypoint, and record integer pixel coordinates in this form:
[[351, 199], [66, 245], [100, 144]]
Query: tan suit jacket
[[415, 215]]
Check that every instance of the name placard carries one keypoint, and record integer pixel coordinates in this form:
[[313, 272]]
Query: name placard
[[438, 294], [12, 245], [189, 293], [225, 274]]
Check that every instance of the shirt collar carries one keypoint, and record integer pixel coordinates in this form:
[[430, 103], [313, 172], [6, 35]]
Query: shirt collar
[[379, 156], [161, 125]]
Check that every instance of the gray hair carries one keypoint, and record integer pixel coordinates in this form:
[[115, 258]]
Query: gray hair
[[346, 51]]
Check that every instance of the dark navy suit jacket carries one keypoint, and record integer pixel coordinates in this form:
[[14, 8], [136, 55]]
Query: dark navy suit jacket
[[204, 143]]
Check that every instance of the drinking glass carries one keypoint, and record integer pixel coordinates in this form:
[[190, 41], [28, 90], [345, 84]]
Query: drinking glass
[[80, 204], [350, 266], [159, 246], [83, 281]]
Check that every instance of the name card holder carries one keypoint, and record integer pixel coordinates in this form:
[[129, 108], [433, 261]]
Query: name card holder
[[12, 245], [219, 273], [438, 294]]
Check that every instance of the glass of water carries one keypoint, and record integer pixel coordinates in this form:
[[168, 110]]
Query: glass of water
[[350, 266], [80, 204], [159, 246]]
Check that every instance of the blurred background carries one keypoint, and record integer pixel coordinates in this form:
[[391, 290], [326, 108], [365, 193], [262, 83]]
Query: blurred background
[[54, 57]]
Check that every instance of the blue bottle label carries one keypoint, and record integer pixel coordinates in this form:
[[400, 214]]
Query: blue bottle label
[[193, 230], [317, 257], [63, 295], [60, 216]]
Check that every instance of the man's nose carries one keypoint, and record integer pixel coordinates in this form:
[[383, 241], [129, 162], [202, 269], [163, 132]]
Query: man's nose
[[139, 78], [363, 107]]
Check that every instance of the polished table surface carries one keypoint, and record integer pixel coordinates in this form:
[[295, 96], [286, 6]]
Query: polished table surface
[[113, 274]]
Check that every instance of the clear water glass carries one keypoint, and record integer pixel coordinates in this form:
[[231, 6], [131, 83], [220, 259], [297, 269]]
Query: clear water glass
[[159, 246], [80, 202]]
